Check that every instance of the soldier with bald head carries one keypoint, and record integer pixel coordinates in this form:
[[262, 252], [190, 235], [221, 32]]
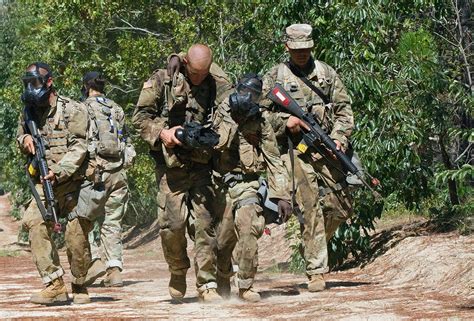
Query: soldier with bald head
[[168, 102]]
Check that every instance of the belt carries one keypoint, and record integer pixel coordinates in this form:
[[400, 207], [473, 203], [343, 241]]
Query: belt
[[231, 179]]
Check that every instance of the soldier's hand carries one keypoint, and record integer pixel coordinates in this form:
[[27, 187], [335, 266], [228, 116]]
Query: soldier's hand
[[173, 66], [338, 147], [28, 144], [294, 125], [49, 177], [284, 210], [168, 137]]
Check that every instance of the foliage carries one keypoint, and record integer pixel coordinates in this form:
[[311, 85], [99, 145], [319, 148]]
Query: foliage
[[402, 62]]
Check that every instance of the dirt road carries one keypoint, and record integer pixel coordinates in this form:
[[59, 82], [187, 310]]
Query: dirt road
[[422, 277]]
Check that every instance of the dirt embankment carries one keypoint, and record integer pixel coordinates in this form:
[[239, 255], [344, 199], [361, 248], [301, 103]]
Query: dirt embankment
[[420, 276]]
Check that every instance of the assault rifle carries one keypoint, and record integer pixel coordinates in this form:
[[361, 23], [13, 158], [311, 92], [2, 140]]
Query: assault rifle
[[316, 136], [38, 162]]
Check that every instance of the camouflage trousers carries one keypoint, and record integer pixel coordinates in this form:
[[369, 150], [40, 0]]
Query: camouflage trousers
[[307, 197], [336, 203], [108, 243], [180, 190], [241, 226], [43, 249]]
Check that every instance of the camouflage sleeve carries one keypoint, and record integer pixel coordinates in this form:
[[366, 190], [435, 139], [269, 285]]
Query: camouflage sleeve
[[223, 85], [277, 119], [277, 174], [343, 120], [147, 115], [21, 134], [224, 125], [75, 115]]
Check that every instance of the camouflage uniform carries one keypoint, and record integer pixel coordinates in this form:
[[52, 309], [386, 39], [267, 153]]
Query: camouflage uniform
[[165, 103], [239, 164], [113, 180], [320, 187], [64, 129]]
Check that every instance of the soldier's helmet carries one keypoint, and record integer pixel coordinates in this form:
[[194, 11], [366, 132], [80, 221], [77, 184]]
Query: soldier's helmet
[[298, 36]]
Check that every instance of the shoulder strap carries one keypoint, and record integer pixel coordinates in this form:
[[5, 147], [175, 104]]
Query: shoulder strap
[[308, 83]]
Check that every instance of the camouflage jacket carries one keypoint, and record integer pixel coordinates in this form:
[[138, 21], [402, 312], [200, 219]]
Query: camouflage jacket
[[249, 149], [165, 103], [64, 130], [336, 117]]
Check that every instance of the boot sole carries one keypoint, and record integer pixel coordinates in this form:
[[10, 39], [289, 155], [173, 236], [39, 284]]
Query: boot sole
[[59, 298]]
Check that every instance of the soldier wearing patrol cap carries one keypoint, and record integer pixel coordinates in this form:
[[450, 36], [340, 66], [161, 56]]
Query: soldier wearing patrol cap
[[110, 153], [321, 188]]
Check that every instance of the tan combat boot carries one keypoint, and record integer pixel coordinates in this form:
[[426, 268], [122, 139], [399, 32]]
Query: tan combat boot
[[177, 286], [113, 278], [80, 294], [316, 283], [223, 286], [209, 296], [95, 271], [249, 295], [55, 292]]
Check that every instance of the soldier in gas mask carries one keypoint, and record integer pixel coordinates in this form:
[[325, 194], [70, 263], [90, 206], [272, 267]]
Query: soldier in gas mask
[[247, 149], [62, 124]]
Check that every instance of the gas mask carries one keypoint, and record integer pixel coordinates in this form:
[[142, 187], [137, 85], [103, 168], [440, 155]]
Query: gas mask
[[36, 91]]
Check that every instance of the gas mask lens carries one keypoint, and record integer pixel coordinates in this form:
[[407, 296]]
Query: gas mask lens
[[31, 81]]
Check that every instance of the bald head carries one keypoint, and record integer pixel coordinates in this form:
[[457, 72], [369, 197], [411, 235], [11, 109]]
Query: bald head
[[198, 62]]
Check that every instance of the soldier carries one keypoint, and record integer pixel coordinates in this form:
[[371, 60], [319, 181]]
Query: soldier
[[110, 154], [247, 147], [314, 174], [63, 124], [165, 104]]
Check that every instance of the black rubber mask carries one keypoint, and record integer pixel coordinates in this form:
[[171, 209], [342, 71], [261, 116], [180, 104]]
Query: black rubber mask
[[36, 91]]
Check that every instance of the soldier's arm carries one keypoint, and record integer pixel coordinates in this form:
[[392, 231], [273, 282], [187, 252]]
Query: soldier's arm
[[277, 119], [277, 174], [147, 114], [77, 125], [21, 134], [343, 119], [224, 125]]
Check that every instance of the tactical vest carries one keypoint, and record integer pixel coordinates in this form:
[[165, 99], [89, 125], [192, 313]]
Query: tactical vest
[[305, 97], [105, 130], [55, 132]]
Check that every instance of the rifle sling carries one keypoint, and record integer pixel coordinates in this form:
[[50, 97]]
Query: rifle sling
[[308, 83], [294, 205]]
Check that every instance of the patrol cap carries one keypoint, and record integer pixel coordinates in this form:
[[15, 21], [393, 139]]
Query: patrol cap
[[90, 76], [298, 36]]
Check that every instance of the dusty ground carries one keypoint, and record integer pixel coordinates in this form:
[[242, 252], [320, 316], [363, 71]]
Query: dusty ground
[[421, 276]]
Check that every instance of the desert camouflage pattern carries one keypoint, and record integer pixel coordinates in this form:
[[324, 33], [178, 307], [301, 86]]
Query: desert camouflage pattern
[[112, 204], [64, 128], [248, 150], [311, 169], [185, 186]]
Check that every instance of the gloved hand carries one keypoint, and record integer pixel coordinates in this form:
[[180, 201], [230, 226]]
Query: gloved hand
[[174, 65], [284, 210]]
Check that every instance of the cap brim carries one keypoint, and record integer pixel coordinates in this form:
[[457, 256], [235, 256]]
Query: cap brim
[[300, 44]]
